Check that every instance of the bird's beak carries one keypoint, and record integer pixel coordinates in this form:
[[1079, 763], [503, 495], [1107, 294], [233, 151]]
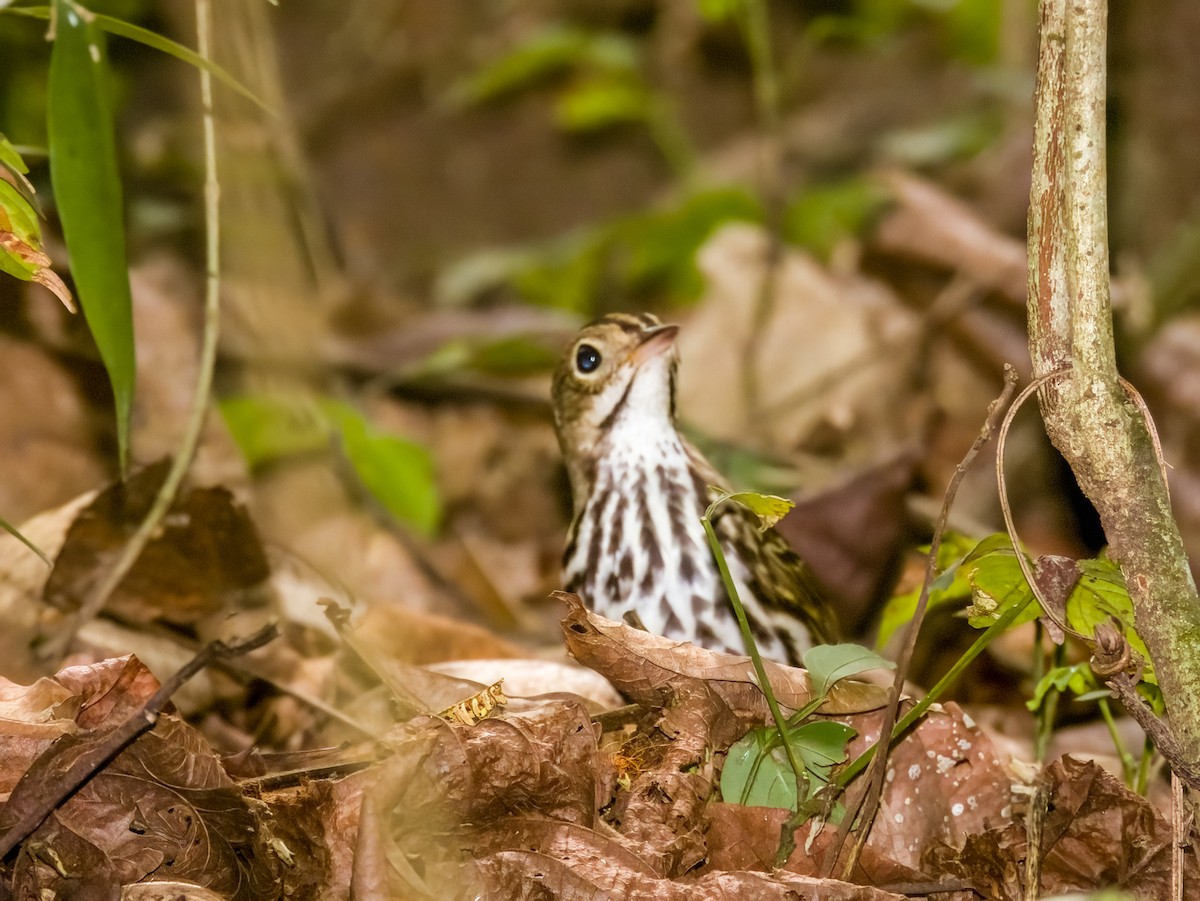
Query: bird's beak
[[656, 341]]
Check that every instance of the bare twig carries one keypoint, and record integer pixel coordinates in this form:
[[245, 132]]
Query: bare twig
[[1035, 820], [1006, 508], [870, 800], [1002, 484], [1125, 686], [98, 750], [1178, 838]]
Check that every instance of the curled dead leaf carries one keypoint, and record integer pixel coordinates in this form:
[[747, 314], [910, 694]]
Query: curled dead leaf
[[646, 668]]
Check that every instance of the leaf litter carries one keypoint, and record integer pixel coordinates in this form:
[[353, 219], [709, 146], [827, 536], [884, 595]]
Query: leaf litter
[[553, 792]]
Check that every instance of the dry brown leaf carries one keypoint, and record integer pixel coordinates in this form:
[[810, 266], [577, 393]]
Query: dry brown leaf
[[534, 678], [422, 638], [64, 864], [853, 535], [168, 891], [206, 553], [746, 838], [79, 697], [1096, 834], [944, 782], [927, 224], [834, 356], [163, 806], [530, 874], [23, 578], [649, 669], [167, 311]]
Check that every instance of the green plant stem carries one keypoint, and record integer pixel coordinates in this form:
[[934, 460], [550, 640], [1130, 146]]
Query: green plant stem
[[1049, 707], [1128, 767], [1143, 775], [755, 657], [12, 530], [999, 626]]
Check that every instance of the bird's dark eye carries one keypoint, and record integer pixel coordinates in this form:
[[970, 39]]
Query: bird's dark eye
[[587, 358]]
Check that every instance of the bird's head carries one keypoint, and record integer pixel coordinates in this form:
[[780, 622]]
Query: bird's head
[[617, 377]]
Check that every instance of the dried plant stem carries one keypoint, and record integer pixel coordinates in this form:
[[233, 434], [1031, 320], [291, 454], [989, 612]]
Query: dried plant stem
[[96, 600], [1179, 838], [860, 763], [1103, 437], [870, 800]]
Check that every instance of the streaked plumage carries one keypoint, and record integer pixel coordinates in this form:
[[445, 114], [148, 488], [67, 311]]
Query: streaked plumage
[[636, 544]]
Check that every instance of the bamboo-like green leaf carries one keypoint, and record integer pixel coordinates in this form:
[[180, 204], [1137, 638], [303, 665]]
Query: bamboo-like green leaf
[[10, 159], [124, 29], [87, 190], [12, 162]]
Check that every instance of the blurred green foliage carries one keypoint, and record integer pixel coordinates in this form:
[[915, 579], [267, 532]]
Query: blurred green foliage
[[825, 215], [397, 473], [648, 257]]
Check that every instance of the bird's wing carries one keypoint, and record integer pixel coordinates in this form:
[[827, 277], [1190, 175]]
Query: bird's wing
[[792, 586]]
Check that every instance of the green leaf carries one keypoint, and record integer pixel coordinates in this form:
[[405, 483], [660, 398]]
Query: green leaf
[[950, 585], [997, 581], [595, 103], [124, 29], [1098, 694], [21, 253], [1078, 678], [87, 190], [757, 772], [821, 745], [937, 143], [767, 507], [648, 254], [270, 428], [972, 29], [19, 233], [1099, 594], [515, 355], [10, 159], [989, 574], [398, 473], [828, 664], [563, 274]]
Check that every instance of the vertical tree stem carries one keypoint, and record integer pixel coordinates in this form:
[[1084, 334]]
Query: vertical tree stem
[[1088, 418]]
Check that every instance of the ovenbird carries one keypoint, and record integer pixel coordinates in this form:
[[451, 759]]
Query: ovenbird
[[636, 547]]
